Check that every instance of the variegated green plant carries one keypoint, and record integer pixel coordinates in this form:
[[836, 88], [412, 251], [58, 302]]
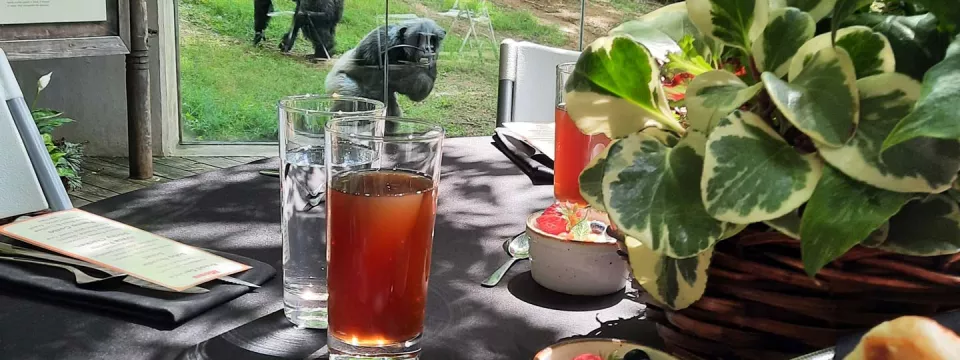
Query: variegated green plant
[[821, 119]]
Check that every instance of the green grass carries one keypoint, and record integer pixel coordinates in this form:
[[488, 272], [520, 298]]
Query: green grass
[[229, 88]]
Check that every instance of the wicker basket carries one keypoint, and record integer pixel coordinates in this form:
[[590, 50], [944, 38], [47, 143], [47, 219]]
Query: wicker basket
[[760, 304]]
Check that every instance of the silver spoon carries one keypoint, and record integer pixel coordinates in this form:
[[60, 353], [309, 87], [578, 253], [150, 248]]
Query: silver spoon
[[519, 248]]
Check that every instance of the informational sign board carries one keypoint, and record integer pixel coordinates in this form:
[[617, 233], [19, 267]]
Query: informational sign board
[[51, 11], [52, 29]]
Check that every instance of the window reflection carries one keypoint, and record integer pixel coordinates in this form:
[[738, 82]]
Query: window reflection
[[436, 59]]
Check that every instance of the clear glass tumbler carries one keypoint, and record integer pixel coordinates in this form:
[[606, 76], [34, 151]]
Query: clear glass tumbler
[[303, 190], [382, 176]]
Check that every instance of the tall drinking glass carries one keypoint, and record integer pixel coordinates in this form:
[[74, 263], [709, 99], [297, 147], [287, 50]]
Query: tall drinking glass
[[302, 188], [573, 148], [382, 176]]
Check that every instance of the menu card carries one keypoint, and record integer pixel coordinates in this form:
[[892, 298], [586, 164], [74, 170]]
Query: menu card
[[541, 136], [122, 248]]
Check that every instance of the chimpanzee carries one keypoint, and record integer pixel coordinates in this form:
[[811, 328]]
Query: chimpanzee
[[317, 18], [410, 50]]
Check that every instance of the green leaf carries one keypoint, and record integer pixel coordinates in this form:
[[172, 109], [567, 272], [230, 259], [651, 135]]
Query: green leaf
[[919, 165], [926, 227], [42, 114], [935, 115], [841, 213], [733, 22], [822, 100], [787, 31], [842, 11], [688, 60], [47, 125], [870, 51], [751, 174], [947, 11], [651, 193], [917, 42], [818, 9], [615, 89], [713, 95], [591, 179], [581, 229], [788, 224], [675, 283]]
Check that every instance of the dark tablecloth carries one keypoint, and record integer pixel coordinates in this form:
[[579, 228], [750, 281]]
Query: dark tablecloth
[[484, 199]]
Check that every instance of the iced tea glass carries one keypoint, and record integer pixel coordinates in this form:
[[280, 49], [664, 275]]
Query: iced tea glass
[[573, 148], [303, 189], [382, 177]]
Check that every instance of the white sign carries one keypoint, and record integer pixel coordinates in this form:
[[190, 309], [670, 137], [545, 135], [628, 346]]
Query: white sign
[[51, 11]]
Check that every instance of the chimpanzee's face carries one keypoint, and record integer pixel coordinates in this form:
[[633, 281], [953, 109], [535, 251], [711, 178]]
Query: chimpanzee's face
[[423, 39]]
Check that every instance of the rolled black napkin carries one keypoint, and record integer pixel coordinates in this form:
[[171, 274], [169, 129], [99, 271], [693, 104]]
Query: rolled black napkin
[[949, 320], [538, 167], [154, 308]]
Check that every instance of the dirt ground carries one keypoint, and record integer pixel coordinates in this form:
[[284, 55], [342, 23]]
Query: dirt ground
[[600, 16]]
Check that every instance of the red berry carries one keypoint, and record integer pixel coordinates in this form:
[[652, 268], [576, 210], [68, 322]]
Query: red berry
[[553, 210], [588, 357], [552, 224]]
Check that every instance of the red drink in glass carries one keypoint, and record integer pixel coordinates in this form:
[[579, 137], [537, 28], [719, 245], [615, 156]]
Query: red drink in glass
[[573, 149], [380, 232], [573, 152]]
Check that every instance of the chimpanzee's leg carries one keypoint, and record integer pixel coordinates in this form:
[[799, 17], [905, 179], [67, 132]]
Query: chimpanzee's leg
[[286, 44], [261, 18]]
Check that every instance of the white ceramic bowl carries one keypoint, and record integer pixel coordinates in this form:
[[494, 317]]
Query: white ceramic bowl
[[574, 267], [567, 350]]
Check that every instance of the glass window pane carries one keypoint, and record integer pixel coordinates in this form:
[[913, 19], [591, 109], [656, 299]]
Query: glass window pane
[[229, 86]]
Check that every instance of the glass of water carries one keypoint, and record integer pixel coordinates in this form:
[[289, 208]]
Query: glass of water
[[303, 194]]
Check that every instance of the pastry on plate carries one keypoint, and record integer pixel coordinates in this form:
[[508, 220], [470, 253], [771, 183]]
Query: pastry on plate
[[908, 338]]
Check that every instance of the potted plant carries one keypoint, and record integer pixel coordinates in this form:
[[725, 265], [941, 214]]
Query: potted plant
[[66, 156], [802, 155]]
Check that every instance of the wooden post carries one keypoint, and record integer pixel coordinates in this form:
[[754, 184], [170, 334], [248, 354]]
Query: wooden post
[[138, 94]]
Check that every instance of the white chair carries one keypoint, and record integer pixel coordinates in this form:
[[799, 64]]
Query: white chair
[[528, 78], [28, 179]]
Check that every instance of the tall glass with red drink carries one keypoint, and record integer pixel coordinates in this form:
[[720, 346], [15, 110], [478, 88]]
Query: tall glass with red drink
[[382, 183], [574, 149]]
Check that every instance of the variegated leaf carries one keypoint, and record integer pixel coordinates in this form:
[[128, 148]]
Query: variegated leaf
[[842, 11], [788, 224], [822, 100], [713, 95], [730, 230], [787, 31], [870, 51], [591, 179], [818, 9], [675, 283], [733, 22], [925, 227], [615, 89], [674, 21], [657, 42], [751, 174], [650, 193], [920, 165], [935, 115], [878, 236], [841, 213]]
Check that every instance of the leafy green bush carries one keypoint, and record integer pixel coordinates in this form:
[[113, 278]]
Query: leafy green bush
[[66, 156], [838, 134]]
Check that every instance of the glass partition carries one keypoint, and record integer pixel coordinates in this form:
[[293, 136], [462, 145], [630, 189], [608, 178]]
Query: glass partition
[[441, 56]]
